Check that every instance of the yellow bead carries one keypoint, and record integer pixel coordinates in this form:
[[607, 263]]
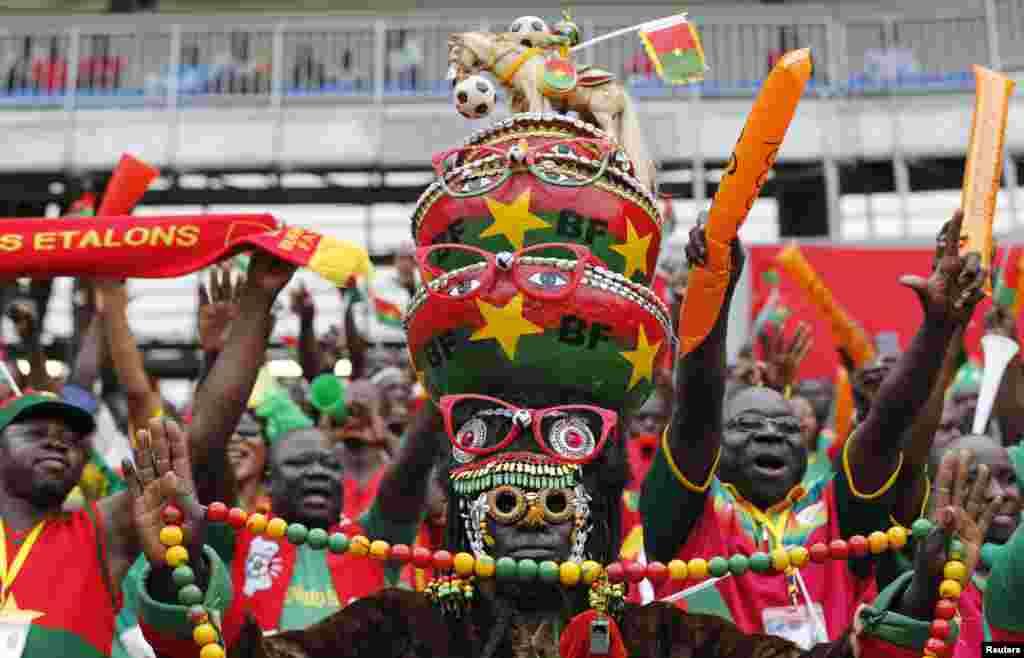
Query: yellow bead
[[697, 568], [780, 559], [798, 556], [484, 568], [359, 545], [276, 528], [677, 570], [897, 537], [569, 574], [878, 542], [211, 651], [171, 535], [379, 549], [176, 556], [950, 589], [591, 570], [955, 570], [257, 523], [464, 564], [204, 634]]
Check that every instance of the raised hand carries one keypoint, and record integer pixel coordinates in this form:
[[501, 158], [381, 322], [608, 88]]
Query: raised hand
[[961, 509], [950, 293], [162, 474], [218, 307], [268, 275], [302, 302], [26, 321], [1000, 320], [782, 360], [697, 251]]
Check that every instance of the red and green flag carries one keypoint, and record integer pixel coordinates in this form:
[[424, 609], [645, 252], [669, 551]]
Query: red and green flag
[[673, 46]]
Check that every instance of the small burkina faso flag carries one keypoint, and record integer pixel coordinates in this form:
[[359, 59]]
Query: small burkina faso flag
[[674, 48]]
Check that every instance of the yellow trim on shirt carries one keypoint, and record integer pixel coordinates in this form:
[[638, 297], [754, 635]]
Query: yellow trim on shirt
[[849, 474], [924, 501], [679, 474]]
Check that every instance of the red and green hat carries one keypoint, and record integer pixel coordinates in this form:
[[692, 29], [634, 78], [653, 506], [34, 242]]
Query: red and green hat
[[543, 178], [604, 339], [34, 404]]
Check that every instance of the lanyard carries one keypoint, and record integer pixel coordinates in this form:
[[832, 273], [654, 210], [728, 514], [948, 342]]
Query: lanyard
[[8, 575]]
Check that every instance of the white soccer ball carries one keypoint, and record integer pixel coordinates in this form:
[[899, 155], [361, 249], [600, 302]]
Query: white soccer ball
[[475, 97], [529, 24]]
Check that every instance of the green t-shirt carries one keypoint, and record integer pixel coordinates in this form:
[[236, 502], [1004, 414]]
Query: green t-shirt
[[311, 595]]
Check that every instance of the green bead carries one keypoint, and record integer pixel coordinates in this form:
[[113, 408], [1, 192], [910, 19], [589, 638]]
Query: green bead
[[505, 568], [338, 543], [526, 570], [760, 562], [921, 528], [297, 534], [548, 572], [718, 567], [738, 564], [183, 575], [317, 538], [956, 550], [190, 595]]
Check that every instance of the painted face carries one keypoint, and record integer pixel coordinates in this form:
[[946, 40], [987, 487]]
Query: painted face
[[763, 454], [306, 479], [527, 523], [41, 460]]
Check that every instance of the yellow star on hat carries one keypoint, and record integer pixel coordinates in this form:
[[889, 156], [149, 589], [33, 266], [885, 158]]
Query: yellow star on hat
[[513, 220], [11, 613], [505, 324], [634, 250], [642, 359]]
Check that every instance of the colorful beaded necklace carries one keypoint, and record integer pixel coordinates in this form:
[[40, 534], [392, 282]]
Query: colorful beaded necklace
[[569, 574]]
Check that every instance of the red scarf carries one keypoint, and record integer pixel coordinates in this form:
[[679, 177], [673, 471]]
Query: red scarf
[[164, 247], [353, 577]]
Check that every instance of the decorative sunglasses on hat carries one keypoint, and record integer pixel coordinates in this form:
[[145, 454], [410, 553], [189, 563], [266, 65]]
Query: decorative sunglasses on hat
[[549, 272], [486, 168], [479, 425]]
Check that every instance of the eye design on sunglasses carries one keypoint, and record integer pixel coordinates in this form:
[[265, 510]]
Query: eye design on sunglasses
[[478, 425], [549, 272]]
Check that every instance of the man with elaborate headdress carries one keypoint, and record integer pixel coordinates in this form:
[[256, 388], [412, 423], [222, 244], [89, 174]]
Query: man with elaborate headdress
[[536, 335]]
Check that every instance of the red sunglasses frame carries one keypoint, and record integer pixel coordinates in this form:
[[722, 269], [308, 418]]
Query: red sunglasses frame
[[609, 421], [583, 255]]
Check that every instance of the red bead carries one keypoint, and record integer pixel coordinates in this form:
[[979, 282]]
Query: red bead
[[937, 647], [401, 553], [940, 629], [237, 517], [819, 552], [616, 573], [217, 512], [422, 557], [635, 572], [945, 609], [657, 573], [443, 560], [838, 550], [171, 514], [859, 545]]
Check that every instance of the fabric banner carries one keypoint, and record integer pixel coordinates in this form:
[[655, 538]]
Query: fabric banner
[[865, 282], [165, 246]]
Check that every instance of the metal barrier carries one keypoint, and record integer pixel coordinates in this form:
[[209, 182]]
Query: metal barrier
[[60, 63]]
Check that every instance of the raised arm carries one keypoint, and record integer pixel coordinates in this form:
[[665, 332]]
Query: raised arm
[[309, 352], [676, 486], [948, 297], [143, 401], [89, 360], [695, 431], [223, 396]]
